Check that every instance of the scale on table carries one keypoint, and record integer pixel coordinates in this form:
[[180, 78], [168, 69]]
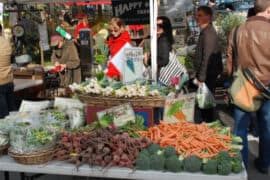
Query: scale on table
[[20, 58], [86, 51]]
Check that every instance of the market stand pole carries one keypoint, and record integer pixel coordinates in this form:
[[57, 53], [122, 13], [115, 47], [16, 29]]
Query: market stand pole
[[153, 40]]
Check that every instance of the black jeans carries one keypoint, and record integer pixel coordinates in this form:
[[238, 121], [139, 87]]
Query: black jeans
[[7, 100]]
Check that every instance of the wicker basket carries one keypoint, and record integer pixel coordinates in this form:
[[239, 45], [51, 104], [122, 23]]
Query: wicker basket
[[3, 149], [139, 102], [40, 157]]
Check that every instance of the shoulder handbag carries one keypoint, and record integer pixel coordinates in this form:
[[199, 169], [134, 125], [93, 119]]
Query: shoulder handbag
[[173, 69], [243, 92], [265, 90]]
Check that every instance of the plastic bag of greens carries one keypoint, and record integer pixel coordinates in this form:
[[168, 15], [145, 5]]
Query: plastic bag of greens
[[204, 97], [76, 117], [27, 138], [54, 120], [4, 139], [74, 108]]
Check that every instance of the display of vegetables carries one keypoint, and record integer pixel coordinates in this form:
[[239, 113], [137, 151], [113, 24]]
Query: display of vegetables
[[202, 140], [132, 127], [206, 147], [113, 88], [101, 147], [26, 138], [54, 119]]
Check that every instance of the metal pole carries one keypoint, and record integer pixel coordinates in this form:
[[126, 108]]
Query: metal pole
[[153, 31]]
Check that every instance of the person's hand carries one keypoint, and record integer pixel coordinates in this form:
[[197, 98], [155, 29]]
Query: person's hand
[[75, 40], [146, 58], [56, 63], [63, 67], [197, 82]]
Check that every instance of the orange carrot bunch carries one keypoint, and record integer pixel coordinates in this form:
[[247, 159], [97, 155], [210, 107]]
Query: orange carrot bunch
[[189, 138]]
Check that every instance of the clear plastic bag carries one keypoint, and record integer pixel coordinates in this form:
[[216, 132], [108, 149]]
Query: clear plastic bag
[[76, 117], [75, 110], [4, 139], [54, 120], [27, 138], [204, 97]]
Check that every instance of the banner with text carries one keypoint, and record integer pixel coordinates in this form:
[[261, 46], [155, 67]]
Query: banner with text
[[132, 11]]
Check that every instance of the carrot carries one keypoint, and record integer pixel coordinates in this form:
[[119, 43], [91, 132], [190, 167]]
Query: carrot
[[180, 116], [190, 138]]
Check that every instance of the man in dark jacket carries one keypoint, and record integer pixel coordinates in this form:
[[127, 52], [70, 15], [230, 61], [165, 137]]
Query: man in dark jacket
[[208, 62]]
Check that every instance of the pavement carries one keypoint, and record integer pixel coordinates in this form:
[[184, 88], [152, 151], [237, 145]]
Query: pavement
[[224, 114]]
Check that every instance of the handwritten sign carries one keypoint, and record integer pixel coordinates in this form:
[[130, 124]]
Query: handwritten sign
[[43, 36], [121, 114], [34, 106], [67, 103], [132, 11], [180, 108], [133, 65]]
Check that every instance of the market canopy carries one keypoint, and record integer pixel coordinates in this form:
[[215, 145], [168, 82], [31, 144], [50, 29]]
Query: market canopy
[[83, 2]]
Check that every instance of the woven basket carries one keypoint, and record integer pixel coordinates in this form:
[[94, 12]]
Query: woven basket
[[39, 157], [139, 102], [3, 149]]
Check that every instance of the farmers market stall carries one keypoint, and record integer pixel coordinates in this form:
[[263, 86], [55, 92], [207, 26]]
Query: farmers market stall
[[63, 168], [51, 139]]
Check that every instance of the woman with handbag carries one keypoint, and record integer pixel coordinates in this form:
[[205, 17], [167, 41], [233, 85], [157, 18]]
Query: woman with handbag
[[164, 44]]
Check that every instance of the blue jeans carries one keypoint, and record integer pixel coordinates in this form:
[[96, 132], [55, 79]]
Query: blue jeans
[[241, 124], [7, 100]]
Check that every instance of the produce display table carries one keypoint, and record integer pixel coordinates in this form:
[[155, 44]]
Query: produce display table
[[63, 168], [140, 102], [20, 84], [142, 105]]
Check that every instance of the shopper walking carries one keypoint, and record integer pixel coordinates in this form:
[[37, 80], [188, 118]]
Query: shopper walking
[[253, 53], [65, 57], [6, 78], [208, 62]]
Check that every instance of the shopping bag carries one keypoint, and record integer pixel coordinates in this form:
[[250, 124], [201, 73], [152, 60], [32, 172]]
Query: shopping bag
[[173, 69], [244, 94], [179, 109], [204, 97]]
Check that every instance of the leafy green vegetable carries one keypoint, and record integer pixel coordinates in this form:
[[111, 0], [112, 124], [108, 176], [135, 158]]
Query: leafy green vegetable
[[157, 162], [173, 164], [192, 164], [225, 168], [153, 148], [143, 163], [132, 128], [210, 167], [106, 120], [237, 166], [169, 151]]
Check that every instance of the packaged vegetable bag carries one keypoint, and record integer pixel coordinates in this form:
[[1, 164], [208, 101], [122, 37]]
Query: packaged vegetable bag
[[204, 97]]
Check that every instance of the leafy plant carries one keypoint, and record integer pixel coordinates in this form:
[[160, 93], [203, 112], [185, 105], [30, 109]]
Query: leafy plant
[[225, 25]]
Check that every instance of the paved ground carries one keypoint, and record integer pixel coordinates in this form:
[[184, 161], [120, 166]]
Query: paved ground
[[224, 114]]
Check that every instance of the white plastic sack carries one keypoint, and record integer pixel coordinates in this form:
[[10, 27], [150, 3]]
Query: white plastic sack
[[204, 97]]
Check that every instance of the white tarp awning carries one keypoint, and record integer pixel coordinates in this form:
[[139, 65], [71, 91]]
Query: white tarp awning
[[53, 1]]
